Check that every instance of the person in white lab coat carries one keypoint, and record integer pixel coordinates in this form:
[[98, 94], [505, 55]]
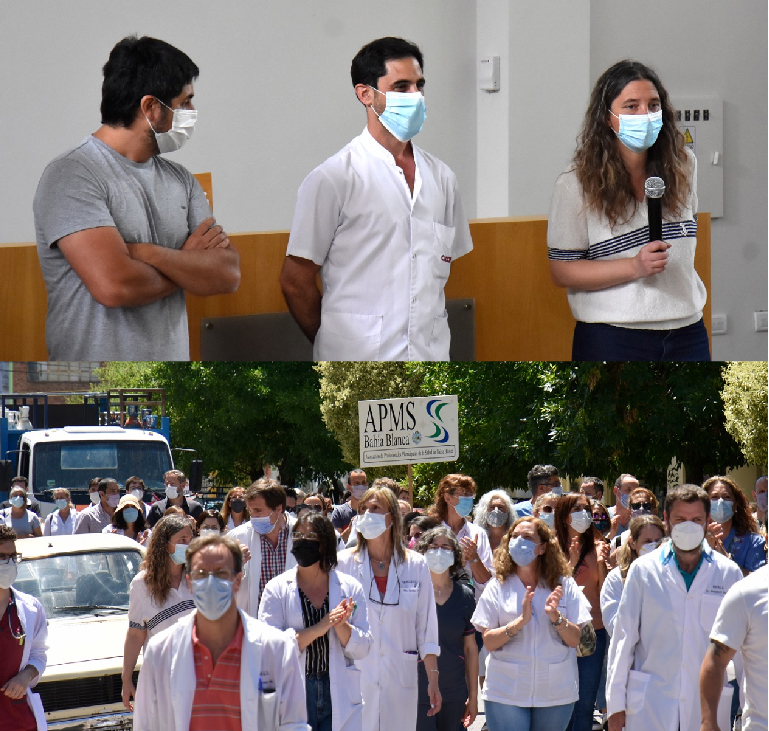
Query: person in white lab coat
[[310, 601], [646, 533], [267, 541], [401, 613], [452, 504], [24, 635], [667, 610], [188, 681], [530, 615]]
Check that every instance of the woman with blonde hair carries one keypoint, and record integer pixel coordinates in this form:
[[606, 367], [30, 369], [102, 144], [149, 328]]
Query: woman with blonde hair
[[401, 614], [61, 522], [634, 296], [159, 596], [531, 615], [645, 535]]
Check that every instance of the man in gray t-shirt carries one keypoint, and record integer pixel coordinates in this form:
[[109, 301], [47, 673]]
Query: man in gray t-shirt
[[122, 233]]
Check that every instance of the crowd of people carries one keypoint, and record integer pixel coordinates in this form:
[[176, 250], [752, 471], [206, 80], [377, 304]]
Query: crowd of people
[[559, 614]]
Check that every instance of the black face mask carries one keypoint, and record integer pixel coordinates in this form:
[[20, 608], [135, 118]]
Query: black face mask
[[603, 524], [306, 552], [237, 505]]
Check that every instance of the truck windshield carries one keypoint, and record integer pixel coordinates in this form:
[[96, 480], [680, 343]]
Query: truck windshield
[[80, 583], [73, 464]]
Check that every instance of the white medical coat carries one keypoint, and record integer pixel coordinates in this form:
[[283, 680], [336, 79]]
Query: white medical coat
[[611, 593], [167, 682], [401, 631], [281, 607], [248, 594], [33, 623], [384, 253], [660, 638]]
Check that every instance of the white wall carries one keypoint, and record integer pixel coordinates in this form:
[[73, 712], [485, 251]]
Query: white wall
[[709, 47], [274, 95]]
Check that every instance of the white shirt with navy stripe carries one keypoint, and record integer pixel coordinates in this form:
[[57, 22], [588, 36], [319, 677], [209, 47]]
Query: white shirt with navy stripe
[[146, 614]]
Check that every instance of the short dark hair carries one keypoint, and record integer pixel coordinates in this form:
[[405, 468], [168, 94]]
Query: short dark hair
[[215, 514], [687, 494], [139, 67], [540, 472], [215, 539], [326, 536], [270, 491], [624, 476], [93, 481], [106, 482], [290, 491], [356, 471], [370, 63], [19, 478], [596, 482]]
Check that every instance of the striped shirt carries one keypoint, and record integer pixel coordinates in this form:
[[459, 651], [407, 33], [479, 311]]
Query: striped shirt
[[145, 614], [216, 703], [316, 662], [273, 559]]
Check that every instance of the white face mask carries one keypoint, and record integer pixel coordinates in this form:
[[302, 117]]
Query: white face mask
[[182, 127], [687, 536], [138, 493], [439, 560], [371, 525], [580, 521], [172, 492], [95, 499], [8, 573], [648, 548]]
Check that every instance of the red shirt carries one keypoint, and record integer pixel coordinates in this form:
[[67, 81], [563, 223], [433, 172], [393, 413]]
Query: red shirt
[[15, 715], [216, 705]]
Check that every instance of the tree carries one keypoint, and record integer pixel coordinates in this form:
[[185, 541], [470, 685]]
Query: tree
[[241, 416], [745, 408]]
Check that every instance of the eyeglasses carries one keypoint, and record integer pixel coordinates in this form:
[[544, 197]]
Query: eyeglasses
[[297, 536], [314, 508], [378, 599], [639, 506], [226, 574], [7, 558]]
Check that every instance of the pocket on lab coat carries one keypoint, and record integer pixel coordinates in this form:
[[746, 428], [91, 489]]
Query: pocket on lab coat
[[268, 710], [637, 683], [352, 682], [348, 336], [708, 610], [501, 677], [443, 242], [563, 680], [440, 339], [409, 669]]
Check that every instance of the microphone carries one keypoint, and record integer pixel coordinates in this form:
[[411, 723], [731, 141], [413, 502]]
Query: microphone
[[654, 188]]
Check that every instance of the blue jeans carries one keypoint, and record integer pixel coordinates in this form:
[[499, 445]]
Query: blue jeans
[[502, 717], [598, 341], [318, 691], [589, 669]]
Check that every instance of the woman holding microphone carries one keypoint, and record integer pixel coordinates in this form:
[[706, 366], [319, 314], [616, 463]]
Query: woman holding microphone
[[530, 615], [633, 299], [312, 599], [401, 614]]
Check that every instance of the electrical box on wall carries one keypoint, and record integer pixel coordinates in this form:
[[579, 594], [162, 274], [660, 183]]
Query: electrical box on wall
[[701, 121], [488, 73]]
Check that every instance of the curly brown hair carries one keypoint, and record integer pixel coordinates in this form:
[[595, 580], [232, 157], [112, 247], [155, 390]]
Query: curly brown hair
[[157, 560], [552, 566], [439, 509], [742, 519], [597, 162]]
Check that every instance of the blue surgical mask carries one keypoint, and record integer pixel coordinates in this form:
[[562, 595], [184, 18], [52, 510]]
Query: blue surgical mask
[[130, 515], [212, 596], [548, 519], [404, 113], [557, 489], [465, 505], [62, 503], [721, 510], [638, 132], [262, 526], [17, 501], [178, 555], [624, 500], [522, 551]]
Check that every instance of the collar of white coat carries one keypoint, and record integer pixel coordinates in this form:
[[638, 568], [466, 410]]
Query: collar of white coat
[[667, 552], [382, 153]]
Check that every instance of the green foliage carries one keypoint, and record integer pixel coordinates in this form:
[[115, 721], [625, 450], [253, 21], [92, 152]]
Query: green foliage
[[342, 385], [745, 408], [126, 374], [241, 416]]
